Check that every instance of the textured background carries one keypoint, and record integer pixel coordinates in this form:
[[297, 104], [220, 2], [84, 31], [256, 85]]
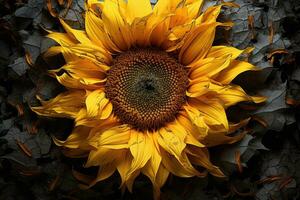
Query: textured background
[[31, 167]]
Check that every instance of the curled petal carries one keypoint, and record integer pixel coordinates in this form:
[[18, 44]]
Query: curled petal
[[75, 139], [236, 67], [160, 180], [200, 156], [181, 168], [78, 35], [234, 94], [67, 104], [211, 110], [98, 105], [62, 38]]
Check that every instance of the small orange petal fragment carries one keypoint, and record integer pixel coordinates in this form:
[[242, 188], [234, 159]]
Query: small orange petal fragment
[[238, 161], [20, 109], [285, 182], [24, 148], [271, 32], [269, 179], [28, 59], [32, 128], [260, 121], [251, 26], [292, 102], [54, 183], [82, 177], [51, 9], [242, 194], [277, 51]]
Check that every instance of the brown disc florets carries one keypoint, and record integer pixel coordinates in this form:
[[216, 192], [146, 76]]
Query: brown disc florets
[[146, 87]]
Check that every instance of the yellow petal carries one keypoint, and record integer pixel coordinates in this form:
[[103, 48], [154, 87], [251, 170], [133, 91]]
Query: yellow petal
[[97, 124], [115, 25], [66, 104], [90, 74], [171, 142], [104, 172], [183, 34], [113, 138], [150, 26], [210, 68], [175, 36], [215, 139], [199, 40], [140, 149], [200, 156], [190, 139], [182, 168], [211, 14], [163, 7], [82, 119], [153, 165], [197, 43], [123, 166], [203, 86], [70, 82], [194, 8], [199, 87], [138, 9], [184, 13], [179, 17], [197, 118], [220, 51], [101, 156], [78, 35], [80, 51], [94, 27], [236, 67], [160, 32], [234, 94], [91, 52], [174, 145], [140, 31], [55, 50], [76, 139], [129, 182], [160, 180], [93, 4], [212, 111], [169, 17], [192, 129], [106, 124], [61, 38], [98, 105]]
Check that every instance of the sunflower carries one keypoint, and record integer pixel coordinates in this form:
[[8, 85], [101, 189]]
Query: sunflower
[[147, 89]]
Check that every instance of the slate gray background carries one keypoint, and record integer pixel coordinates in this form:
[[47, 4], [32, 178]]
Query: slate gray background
[[46, 174]]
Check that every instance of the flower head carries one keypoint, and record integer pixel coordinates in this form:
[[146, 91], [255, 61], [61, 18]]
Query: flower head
[[147, 89]]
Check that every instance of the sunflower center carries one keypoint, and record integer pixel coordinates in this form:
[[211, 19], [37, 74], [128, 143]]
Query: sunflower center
[[146, 87]]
